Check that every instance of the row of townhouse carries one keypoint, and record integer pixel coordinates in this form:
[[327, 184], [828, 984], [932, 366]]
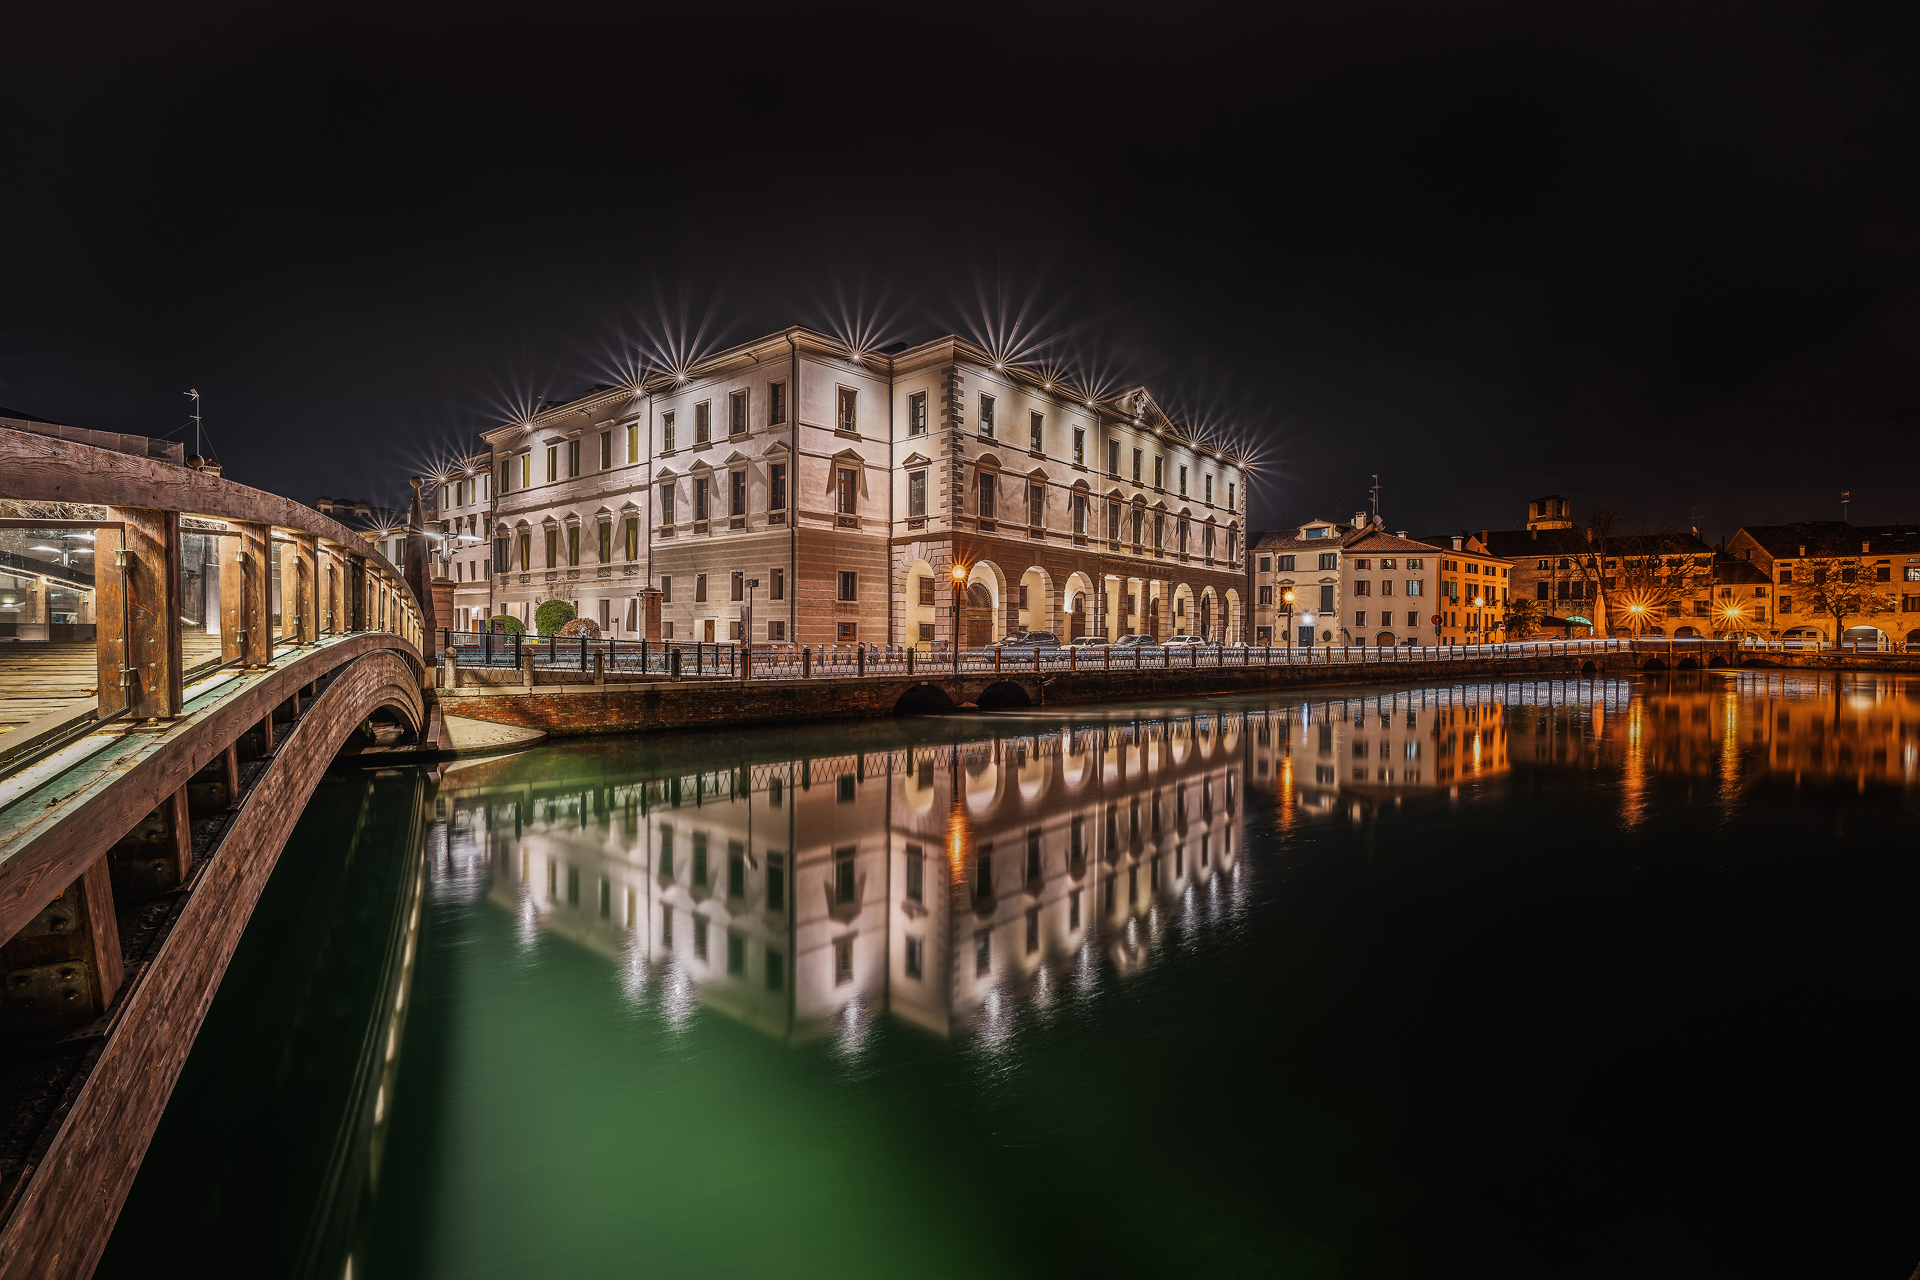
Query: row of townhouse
[[1353, 583], [794, 490], [1325, 582]]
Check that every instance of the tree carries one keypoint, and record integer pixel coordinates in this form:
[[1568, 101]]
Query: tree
[[551, 616], [506, 622], [1637, 577], [1524, 618], [1840, 587]]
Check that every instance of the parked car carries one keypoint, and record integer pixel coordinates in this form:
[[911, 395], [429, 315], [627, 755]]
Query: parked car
[[1087, 642], [1139, 640], [1188, 642], [1030, 640]]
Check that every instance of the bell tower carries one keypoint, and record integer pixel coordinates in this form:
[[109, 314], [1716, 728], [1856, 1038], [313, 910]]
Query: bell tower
[[1550, 512]]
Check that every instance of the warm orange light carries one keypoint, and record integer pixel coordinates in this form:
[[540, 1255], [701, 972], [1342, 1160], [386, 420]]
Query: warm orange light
[[1287, 595], [959, 573]]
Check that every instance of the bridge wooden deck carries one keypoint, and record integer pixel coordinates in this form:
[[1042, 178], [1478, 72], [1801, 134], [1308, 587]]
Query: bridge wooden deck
[[38, 678]]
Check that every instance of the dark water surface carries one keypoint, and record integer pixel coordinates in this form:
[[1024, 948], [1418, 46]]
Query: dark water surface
[[1576, 979]]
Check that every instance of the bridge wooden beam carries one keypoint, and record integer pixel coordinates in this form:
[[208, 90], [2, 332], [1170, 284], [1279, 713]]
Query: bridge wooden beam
[[246, 584], [137, 612], [305, 622]]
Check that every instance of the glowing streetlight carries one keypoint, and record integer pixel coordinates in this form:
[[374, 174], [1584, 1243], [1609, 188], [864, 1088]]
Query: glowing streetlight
[[960, 571]]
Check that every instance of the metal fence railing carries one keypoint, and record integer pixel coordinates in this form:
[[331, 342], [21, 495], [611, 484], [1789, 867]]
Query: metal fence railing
[[696, 659]]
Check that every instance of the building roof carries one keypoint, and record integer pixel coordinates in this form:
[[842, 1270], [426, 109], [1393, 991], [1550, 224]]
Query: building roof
[[1379, 540], [1289, 539], [1833, 538], [1729, 572], [1518, 544]]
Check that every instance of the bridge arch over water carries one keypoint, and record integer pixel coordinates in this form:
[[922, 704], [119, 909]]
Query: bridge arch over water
[[139, 825]]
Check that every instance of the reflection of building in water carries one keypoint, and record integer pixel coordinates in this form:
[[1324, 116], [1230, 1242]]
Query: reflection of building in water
[[921, 880], [1325, 754], [1810, 725]]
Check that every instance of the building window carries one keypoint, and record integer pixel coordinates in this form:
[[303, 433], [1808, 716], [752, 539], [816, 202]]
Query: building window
[[1266, 595], [776, 631], [1363, 588], [1036, 431], [699, 588], [915, 952], [553, 547], [737, 495], [633, 442], [916, 873], [573, 546], [1416, 586], [917, 414], [573, 459], [843, 886], [553, 463], [1159, 472], [606, 450], [702, 422], [986, 495], [777, 487], [1183, 482], [1113, 457], [849, 417], [1209, 490], [843, 961], [916, 493], [1329, 560], [926, 589], [849, 585], [666, 590], [778, 589], [1136, 466], [737, 414], [666, 433], [1080, 514], [986, 416], [633, 538], [776, 404], [1113, 520], [848, 632], [1036, 504], [849, 491], [739, 581], [1080, 446], [700, 489], [1360, 618]]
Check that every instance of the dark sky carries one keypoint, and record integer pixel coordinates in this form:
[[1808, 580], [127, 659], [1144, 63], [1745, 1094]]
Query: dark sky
[[1659, 258]]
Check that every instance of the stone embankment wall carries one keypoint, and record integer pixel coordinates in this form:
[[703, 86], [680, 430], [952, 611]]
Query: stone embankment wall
[[578, 709]]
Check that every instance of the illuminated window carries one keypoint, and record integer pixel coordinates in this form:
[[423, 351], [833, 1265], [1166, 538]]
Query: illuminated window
[[1036, 431], [666, 433], [849, 417], [916, 493], [702, 422], [917, 414], [986, 416]]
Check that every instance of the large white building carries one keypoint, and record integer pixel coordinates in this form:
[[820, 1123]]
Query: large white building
[[847, 484]]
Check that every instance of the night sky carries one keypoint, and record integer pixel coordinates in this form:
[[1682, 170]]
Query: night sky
[[1660, 259]]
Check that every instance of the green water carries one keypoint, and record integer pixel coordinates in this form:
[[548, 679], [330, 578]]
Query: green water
[[1558, 978]]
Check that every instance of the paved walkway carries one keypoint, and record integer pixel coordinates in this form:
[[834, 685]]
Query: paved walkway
[[475, 737]]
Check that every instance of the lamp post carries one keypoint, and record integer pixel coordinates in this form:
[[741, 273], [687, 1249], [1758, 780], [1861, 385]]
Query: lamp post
[[746, 634], [1286, 598], [959, 586]]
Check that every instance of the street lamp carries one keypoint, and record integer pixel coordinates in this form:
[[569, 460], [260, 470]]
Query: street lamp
[[959, 585], [1286, 598], [746, 634]]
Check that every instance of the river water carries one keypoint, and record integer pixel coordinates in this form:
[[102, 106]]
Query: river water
[[1589, 978]]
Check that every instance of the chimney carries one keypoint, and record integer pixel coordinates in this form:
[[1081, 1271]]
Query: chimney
[[1359, 519], [1483, 539], [1456, 544], [1401, 534]]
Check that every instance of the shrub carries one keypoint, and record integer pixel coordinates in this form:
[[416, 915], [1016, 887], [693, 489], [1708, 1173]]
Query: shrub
[[507, 623], [577, 627], [551, 616]]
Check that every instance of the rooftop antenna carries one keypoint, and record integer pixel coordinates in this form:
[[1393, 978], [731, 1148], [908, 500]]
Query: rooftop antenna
[[1846, 495], [195, 395], [1376, 499]]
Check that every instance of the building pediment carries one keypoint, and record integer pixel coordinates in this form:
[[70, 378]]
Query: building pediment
[[917, 460]]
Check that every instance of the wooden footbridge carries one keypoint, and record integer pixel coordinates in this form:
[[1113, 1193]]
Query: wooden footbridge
[[146, 790]]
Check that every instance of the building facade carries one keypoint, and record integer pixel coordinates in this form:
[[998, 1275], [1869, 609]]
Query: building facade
[[1391, 586], [848, 485], [1783, 557], [1304, 560]]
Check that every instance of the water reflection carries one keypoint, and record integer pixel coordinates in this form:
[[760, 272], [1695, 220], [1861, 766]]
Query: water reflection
[[934, 882], [960, 882]]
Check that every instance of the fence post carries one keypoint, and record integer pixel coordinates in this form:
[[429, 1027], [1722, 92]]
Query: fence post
[[910, 651], [1036, 657], [583, 650], [806, 662], [673, 663], [860, 660]]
